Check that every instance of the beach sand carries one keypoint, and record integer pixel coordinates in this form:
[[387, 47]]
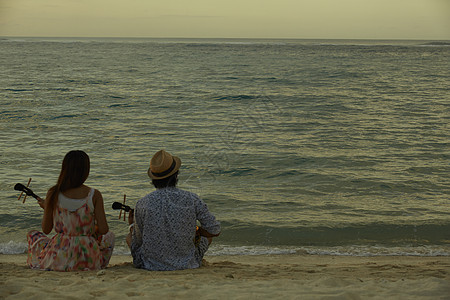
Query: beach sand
[[298, 276]]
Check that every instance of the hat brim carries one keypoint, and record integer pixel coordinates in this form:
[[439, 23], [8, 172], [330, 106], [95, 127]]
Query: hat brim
[[175, 169]]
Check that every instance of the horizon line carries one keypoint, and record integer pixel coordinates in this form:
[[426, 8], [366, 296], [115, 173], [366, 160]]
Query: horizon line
[[234, 38]]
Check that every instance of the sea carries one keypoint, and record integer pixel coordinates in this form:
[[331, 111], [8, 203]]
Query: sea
[[331, 147]]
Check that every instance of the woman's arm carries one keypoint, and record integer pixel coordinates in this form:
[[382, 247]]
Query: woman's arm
[[47, 219], [99, 213]]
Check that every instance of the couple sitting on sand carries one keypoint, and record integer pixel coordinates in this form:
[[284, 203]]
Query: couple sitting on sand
[[163, 233]]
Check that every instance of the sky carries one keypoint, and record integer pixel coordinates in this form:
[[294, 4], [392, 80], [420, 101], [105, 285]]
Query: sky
[[308, 19]]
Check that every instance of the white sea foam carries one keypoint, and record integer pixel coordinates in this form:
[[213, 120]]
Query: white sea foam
[[12, 247], [216, 250], [339, 251], [379, 251]]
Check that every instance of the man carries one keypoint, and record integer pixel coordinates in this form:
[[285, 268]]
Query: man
[[165, 235]]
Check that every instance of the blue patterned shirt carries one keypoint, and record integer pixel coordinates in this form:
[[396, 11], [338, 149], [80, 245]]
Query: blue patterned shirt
[[164, 230]]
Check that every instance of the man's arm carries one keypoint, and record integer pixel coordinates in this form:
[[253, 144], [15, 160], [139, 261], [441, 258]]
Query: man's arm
[[203, 232]]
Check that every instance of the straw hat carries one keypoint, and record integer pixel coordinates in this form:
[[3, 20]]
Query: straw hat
[[163, 164]]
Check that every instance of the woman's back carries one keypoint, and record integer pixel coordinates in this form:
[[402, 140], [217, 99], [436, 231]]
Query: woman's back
[[74, 216], [74, 246]]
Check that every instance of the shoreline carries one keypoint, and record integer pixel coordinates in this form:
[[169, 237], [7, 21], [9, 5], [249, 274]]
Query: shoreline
[[290, 276]]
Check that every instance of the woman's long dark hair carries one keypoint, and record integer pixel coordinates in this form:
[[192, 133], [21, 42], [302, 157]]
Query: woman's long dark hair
[[74, 172]]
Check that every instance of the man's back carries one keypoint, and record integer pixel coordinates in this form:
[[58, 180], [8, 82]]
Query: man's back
[[165, 226]]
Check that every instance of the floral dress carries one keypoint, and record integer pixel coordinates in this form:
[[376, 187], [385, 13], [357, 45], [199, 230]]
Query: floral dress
[[74, 247]]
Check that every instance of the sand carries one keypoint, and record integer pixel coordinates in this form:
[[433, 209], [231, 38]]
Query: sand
[[239, 277]]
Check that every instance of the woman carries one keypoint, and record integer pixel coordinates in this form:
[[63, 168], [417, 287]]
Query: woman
[[163, 235], [76, 213]]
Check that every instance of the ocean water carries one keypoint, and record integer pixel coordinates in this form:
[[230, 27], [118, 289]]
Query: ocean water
[[312, 146]]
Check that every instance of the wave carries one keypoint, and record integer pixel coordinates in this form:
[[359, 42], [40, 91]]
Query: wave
[[13, 247], [369, 234], [234, 98], [436, 43], [352, 250], [119, 104], [239, 235], [217, 249], [17, 90], [69, 116]]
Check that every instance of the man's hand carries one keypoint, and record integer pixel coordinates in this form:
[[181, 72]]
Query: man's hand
[[201, 231]]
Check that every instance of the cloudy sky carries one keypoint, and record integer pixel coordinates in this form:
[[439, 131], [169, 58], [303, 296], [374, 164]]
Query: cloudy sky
[[335, 19]]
